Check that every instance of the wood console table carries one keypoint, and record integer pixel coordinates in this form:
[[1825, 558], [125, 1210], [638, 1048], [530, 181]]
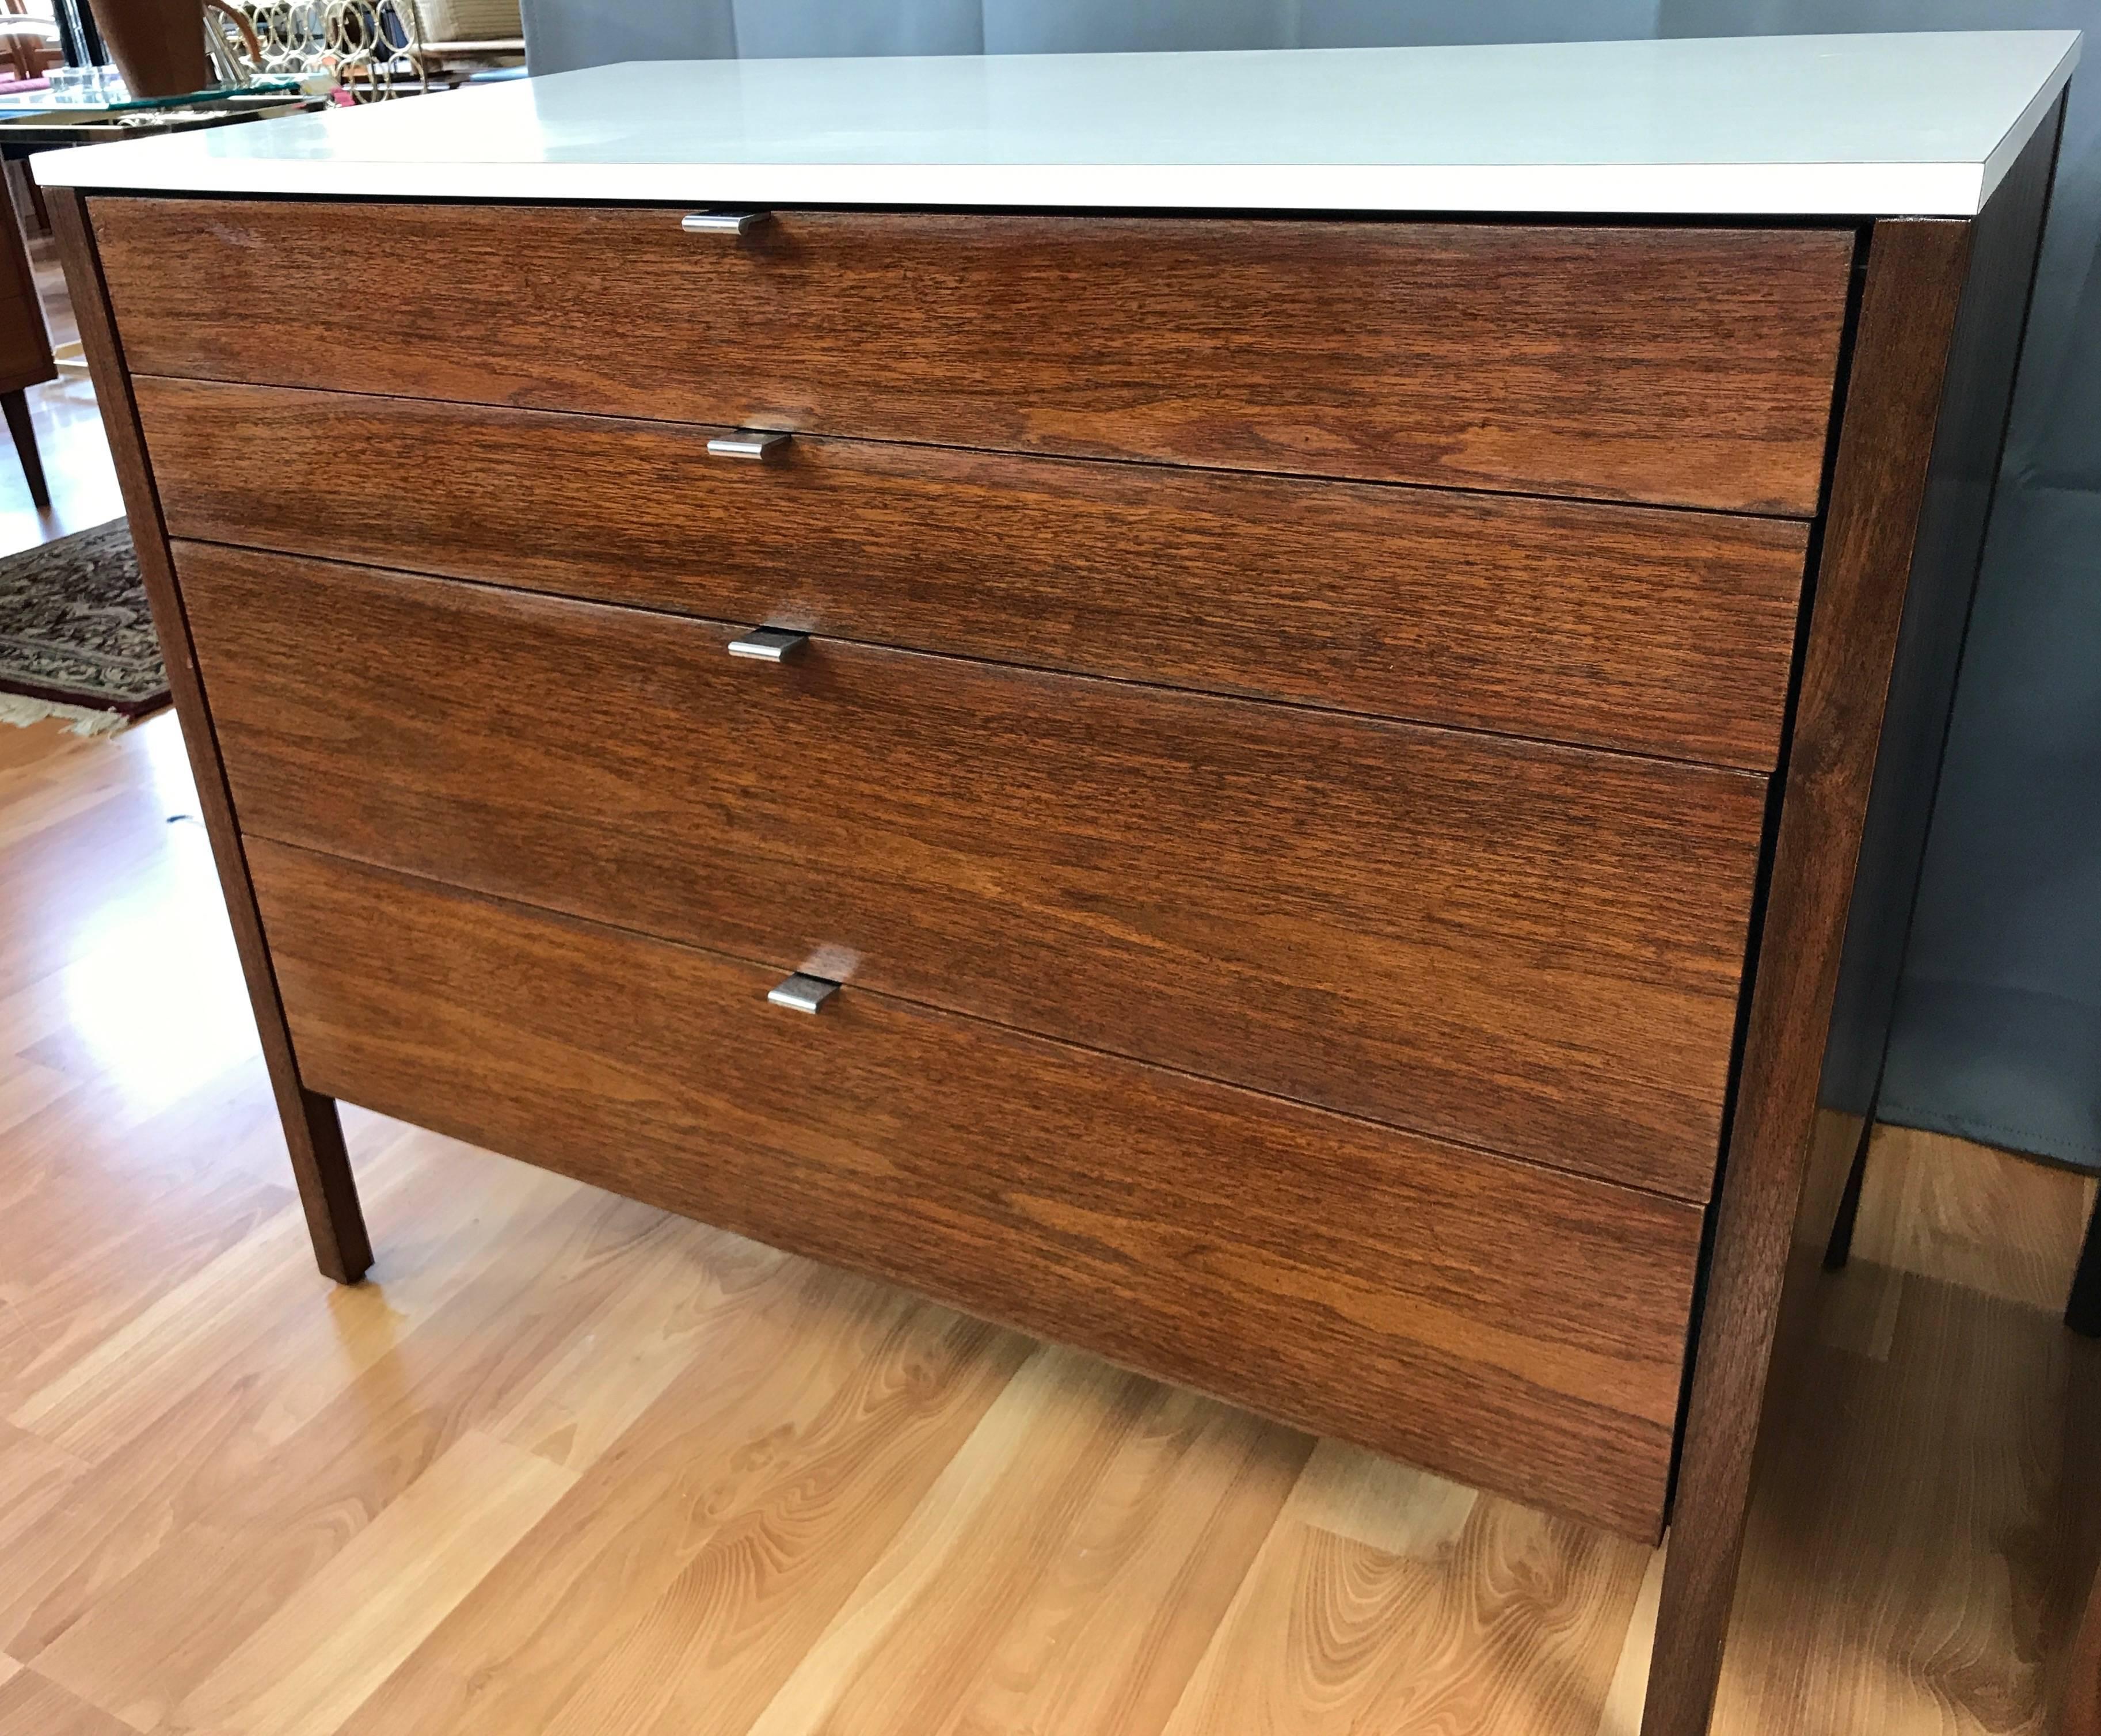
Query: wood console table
[[26, 348], [1226, 707]]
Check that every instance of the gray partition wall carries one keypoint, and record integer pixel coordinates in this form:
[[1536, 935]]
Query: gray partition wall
[[1998, 1031], [563, 33]]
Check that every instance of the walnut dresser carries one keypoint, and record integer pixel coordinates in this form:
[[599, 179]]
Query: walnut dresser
[[1269, 713]]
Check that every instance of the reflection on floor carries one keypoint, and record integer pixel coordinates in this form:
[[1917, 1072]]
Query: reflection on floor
[[567, 1466]]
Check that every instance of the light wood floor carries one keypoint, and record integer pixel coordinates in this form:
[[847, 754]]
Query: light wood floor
[[566, 1465]]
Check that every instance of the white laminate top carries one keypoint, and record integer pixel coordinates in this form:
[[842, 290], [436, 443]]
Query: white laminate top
[[1919, 125]]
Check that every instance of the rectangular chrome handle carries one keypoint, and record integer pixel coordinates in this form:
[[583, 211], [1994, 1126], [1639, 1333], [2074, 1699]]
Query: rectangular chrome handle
[[769, 644], [802, 992], [723, 222], [761, 444]]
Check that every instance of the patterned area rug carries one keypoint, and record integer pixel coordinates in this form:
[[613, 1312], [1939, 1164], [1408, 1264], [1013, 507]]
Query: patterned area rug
[[75, 634]]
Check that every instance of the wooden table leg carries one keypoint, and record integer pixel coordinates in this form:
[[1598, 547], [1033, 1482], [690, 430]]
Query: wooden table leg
[[16, 405]]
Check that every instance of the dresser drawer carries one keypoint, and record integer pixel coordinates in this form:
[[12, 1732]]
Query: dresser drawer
[[1619, 626], [1502, 1324], [1532, 948], [1681, 365]]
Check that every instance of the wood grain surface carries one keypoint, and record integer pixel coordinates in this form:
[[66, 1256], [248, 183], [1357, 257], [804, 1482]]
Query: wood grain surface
[[330, 1192], [702, 1554], [25, 342], [1366, 1609], [1690, 366], [1955, 514], [749, 1435], [31, 1705], [1171, 1488], [1532, 948], [1657, 632], [1781, 1183], [1936, 349], [1947, 1465], [1500, 1322]]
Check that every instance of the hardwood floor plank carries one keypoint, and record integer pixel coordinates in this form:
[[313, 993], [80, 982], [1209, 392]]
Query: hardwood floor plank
[[655, 1320], [305, 1670], [671, 1664], [27, 1087], [752, 1496], [1064, 1574], [210, 1397], [100, 1401], [47, 797], [96, 1273], [33, 1005], [252, 1542], [8, 1667], [39, 744], [1512, 1627], [1859, 1314], [102, 1214], [257, 1305], [1945, 1208], [1374, 1501], [1628, 1695], [29, 1706], [1109, 1637], [121, 1511], [104, 862], [34, 1477], [1066, 1412], [1901, 1571]]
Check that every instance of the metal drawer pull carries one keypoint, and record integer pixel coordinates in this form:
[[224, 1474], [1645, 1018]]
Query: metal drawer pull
[[769, 644], [804, 993], [748, 443], [723, 222]]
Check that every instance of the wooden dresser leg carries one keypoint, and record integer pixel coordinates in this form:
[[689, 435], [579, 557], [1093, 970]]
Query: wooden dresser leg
[[1911, 427], [320, 1163], [16, 405], [327, 1189], [2082, 1313]]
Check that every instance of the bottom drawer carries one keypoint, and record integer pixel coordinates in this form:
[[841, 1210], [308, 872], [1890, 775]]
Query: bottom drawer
[[1514, 1326]]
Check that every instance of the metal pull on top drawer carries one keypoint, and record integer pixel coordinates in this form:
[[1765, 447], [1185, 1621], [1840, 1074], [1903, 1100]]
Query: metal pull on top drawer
[[768, 644], [761, 444], [724, 223], [802, 993]]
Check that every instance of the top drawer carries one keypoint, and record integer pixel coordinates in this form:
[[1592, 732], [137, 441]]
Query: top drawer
[[1690, 366]]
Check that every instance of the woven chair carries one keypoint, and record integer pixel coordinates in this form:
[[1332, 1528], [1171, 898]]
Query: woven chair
[[450, 31], [372, 49], [29, 42]]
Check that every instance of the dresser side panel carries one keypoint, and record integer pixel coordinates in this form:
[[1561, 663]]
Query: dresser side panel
[[1960, 490], [1923, 418]]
